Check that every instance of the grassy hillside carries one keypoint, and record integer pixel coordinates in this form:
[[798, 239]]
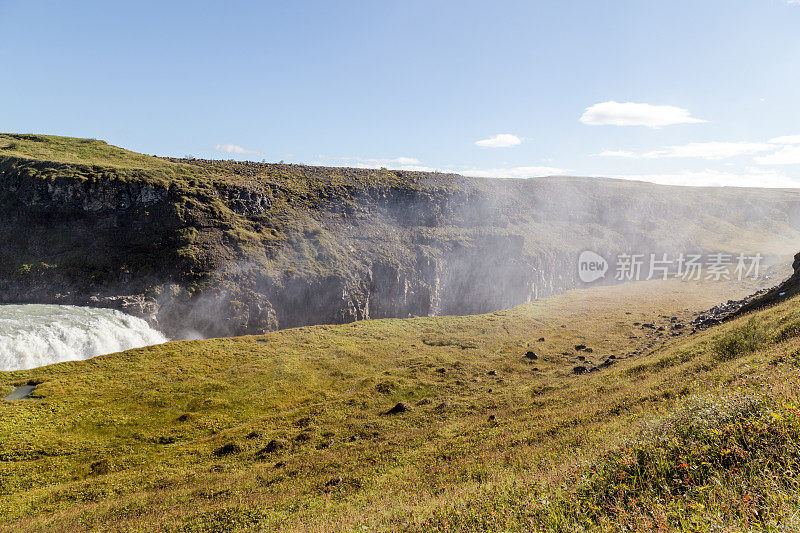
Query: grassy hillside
[[295, 429], [71, 150]]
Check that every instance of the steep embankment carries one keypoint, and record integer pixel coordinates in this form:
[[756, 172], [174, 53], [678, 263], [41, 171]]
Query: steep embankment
[[226, 248]]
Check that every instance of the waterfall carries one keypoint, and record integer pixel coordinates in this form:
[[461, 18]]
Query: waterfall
[[33, 335]]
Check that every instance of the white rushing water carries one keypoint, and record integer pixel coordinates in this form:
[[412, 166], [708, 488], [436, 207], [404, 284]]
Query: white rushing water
[[34, 335]]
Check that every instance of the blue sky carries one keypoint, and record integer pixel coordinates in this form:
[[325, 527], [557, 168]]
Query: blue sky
[[701, 92]]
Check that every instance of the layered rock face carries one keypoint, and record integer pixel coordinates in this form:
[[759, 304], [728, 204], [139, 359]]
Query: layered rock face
[[248, 248]]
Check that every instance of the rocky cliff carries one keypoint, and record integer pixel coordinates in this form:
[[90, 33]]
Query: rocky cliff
[[218, 248]]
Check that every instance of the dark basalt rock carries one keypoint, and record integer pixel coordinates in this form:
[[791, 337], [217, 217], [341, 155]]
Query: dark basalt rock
[[398, 408]]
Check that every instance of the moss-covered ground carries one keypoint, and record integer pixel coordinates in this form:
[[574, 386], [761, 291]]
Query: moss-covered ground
[[291, 430]]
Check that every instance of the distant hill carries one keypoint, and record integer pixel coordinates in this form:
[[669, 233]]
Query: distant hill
[[222, 247]]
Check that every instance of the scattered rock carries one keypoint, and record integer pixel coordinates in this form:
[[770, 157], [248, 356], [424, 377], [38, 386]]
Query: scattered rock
[[579, 370], [579, 347], [100, 467], [581, 358], [273, 446], [302, 437], [588, 350], [335, 482], [398, 408], [302, 422], [492, 372], [531, 355], [718, 313], [227, 449], [541, 339], [441, 370], [492, 417]]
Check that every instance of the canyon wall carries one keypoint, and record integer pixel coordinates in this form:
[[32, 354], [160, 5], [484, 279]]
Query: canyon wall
[[225, 248]]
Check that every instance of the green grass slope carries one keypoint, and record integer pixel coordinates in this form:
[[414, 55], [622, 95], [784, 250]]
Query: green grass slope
[[70, 150], [293, 430]]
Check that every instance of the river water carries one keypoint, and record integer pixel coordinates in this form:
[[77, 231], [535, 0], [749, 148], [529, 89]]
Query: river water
[[34, 335]]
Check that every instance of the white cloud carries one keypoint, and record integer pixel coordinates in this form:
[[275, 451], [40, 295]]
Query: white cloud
[[413, 164], [233, 149], [709, 150], [405, 160], [617, 153], [501, 140], [512, 172], [751, 177], [704, 150], [788, 155], [787, 139], [635, 114], [399, 163]]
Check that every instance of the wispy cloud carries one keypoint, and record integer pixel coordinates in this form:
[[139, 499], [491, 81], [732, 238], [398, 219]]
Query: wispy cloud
[[501, 140], [714, 178], [636, 114], [400, 163], [709, 150], [618, 153], [414, 164], [513, 172], [788, 155], [233, 149], [721, 150], [787, 139]]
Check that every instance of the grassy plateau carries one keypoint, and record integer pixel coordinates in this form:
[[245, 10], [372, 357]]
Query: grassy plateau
[[300, 429]]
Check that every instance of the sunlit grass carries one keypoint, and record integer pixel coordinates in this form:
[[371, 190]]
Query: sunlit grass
[[289, 430]]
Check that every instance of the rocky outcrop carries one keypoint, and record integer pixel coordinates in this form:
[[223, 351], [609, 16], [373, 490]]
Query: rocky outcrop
[[783, 291]]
